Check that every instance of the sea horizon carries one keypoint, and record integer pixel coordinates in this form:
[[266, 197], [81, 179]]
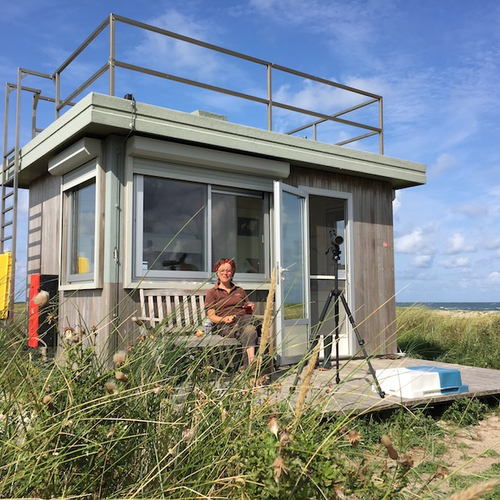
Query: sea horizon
[[454, 306]]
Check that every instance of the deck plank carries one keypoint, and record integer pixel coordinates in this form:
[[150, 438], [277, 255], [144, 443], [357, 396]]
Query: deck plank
[[355, 392]]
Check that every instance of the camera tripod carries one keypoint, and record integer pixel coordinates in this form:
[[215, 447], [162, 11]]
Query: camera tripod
[[338, 295]]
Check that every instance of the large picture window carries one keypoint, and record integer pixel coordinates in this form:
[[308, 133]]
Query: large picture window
[[173, 224], [183, 227]]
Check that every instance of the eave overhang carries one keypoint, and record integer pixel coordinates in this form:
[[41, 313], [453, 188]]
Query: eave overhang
[[98, 116]]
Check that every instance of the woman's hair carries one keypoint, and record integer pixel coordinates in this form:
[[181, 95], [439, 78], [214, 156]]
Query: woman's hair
[[220, 262]]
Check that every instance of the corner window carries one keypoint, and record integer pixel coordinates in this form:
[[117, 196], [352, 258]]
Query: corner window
[[183, 227], [80, 231], [81, 204]]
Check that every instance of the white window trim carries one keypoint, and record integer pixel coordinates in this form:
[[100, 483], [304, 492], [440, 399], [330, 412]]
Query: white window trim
[[72, 180], [349, 226]]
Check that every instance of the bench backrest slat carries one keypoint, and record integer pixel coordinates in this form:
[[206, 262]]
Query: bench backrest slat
[[177, 309]]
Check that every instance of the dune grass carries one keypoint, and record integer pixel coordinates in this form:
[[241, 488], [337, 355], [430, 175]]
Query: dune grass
[[465, 338], [161, 421]]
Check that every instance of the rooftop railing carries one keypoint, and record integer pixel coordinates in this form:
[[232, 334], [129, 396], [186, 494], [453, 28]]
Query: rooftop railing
[[270, 100]]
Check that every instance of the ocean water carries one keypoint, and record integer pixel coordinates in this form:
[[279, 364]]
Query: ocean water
[[455, 306]]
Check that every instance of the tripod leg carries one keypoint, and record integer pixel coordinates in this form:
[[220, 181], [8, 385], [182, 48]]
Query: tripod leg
[[361, 343], [328, 340], [315, 340], [337, 335]]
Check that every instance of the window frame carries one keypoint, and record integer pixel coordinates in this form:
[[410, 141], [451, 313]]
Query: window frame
[[138, 231], [163, 276], [146, 156], [72, 182]]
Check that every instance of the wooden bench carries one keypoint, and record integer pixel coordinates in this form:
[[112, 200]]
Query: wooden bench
[[179, 312]]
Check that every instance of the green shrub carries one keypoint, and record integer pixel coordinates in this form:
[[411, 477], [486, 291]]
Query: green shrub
[[465, 411]]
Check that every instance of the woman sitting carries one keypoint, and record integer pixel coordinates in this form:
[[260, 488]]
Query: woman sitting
[[229, 310]]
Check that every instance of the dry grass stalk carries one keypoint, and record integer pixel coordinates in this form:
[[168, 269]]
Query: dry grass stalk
[[476, 491], [266, 326], [268, 315], [306, 381]]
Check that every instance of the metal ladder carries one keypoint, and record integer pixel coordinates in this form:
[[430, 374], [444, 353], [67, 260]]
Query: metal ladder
[[9, 197], [9, 177]]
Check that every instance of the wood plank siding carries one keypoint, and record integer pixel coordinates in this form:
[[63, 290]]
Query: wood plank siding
[[106, 311], [44, 225]]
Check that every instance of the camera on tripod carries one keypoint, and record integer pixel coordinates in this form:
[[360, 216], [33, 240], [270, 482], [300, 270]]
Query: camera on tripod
[[335, 238], [337, 296]]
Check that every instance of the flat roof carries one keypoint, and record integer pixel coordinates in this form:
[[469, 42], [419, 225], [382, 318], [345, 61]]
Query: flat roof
[[99, 116]]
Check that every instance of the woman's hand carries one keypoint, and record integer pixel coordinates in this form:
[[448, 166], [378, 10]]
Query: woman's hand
[[228, 319]]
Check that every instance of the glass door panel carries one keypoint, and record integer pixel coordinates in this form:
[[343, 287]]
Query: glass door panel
[[327, 221], [292, 292]]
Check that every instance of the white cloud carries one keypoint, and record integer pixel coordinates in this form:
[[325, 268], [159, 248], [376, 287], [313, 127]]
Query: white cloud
[[165, 52], [423, 261], [491, 243], [444, 162], [495, 191], [456, 262], [396, 204], [493, 278], [471, 210], [315, 95], [410, 243], [458, 244]]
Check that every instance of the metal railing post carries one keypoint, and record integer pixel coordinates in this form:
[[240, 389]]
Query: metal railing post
[[269, 97], [57, 78], [381, 126], [111, 60], [15, 187], [4, 165]]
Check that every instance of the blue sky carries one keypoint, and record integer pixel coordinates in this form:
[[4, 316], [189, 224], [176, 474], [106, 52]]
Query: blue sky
[[435, 62]]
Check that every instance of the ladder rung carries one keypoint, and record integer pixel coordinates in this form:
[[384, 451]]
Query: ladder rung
[[6, 238], [7, 224], [8, 195], [7, 209]]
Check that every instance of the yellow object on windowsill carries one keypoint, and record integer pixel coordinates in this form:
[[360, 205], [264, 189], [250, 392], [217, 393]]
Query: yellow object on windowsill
[[83, 265]]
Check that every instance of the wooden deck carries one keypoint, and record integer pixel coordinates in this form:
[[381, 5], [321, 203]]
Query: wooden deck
[[355, 392]]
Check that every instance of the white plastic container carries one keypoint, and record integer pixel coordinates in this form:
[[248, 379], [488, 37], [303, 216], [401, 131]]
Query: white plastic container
[[420, 381]]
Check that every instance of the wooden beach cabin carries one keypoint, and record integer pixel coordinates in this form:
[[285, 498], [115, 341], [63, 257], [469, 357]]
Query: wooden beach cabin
[[125, 194]]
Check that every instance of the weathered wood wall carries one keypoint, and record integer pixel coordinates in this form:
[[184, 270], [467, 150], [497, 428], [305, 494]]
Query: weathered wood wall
[[108, 309], [44, 222], [104, 312]]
